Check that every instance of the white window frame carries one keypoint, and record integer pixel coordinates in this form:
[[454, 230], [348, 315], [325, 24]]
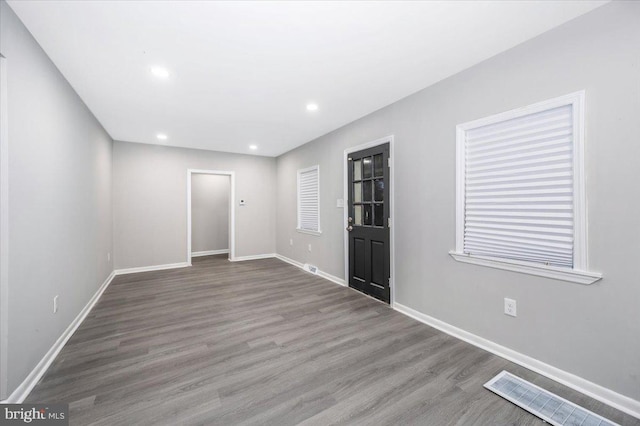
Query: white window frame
[[579, 273], [298, 227]]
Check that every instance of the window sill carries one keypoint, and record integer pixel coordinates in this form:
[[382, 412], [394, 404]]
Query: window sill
[[308, 231], [572, 275]]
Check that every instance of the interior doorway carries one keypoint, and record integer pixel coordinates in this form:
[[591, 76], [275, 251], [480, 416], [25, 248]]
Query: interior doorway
[[368, 219], [210, 213]]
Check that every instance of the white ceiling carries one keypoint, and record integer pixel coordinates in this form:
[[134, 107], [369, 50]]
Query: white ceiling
[[243, 72]]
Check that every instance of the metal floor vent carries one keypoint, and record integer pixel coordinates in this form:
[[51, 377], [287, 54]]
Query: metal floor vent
[[310, 268], [546, 405]]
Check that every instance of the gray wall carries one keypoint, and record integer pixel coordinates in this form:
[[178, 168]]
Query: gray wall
[[209, 212], [149, 202], [59, 200], [592, 331]]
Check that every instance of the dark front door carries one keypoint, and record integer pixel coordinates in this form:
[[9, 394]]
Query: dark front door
[[368, 221]]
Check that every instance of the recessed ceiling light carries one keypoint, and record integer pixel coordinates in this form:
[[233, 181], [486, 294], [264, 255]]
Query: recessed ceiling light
[[312, 107], [253, 147], [161, 136], [160, 72]]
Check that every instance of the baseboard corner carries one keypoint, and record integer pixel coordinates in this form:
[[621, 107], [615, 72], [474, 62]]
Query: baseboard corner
[[151, 268], [24, 389], [253, 257]]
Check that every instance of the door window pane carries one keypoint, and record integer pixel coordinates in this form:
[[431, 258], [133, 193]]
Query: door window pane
[[357, 170], [357, 212], [378, 214], [379, 190], [377, 165], [357, 192], [368, 190], [367, 167], [367, 214]]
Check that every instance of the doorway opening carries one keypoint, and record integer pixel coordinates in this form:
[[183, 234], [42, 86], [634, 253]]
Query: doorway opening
[[368, 215], [210, 213]]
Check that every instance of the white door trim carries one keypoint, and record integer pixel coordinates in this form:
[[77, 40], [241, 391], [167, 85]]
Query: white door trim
[[4, 226], [232, 210], [390, 140]]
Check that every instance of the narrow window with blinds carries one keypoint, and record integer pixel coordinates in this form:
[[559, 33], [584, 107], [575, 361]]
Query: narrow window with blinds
[[309, 200], [520, 190]]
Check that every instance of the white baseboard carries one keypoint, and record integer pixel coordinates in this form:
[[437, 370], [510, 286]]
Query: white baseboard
[[332, 278], [290, 261], [593, 390], [253, 257], [151, 268], [322, 274], [27, 385], [209, 252]]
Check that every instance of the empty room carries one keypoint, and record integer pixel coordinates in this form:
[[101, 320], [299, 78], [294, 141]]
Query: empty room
[[319, 212]]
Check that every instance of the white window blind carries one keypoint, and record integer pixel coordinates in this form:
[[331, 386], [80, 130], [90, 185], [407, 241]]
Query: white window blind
[[519, 188], [309, 199], [520, 191]]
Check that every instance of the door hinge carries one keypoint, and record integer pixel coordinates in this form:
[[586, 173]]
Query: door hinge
[[389, 222], [389, 162], [389, 281]]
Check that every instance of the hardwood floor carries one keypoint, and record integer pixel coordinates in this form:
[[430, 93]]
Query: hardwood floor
[[262, 342]]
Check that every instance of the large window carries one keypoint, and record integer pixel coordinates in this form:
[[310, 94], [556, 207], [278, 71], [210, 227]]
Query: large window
[[520, 191], [309, 200]]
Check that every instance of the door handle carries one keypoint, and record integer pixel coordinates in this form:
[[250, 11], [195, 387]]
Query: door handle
[[349, 228]]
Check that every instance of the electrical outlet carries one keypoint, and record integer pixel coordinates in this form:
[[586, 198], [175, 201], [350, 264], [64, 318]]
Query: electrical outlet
[[291, 241], [55, 304], [510, 307], [309, 247]]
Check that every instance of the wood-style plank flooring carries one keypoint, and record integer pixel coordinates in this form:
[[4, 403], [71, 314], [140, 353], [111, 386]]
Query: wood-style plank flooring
[[262, 342]]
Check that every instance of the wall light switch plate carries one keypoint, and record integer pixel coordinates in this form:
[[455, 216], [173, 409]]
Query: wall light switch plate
[[55, 304], [510, 307], [290, 241], [340, 203], [309, 247]]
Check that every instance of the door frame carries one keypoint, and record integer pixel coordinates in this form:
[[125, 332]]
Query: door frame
[[392, 265], [4, 227], [232, 209]]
